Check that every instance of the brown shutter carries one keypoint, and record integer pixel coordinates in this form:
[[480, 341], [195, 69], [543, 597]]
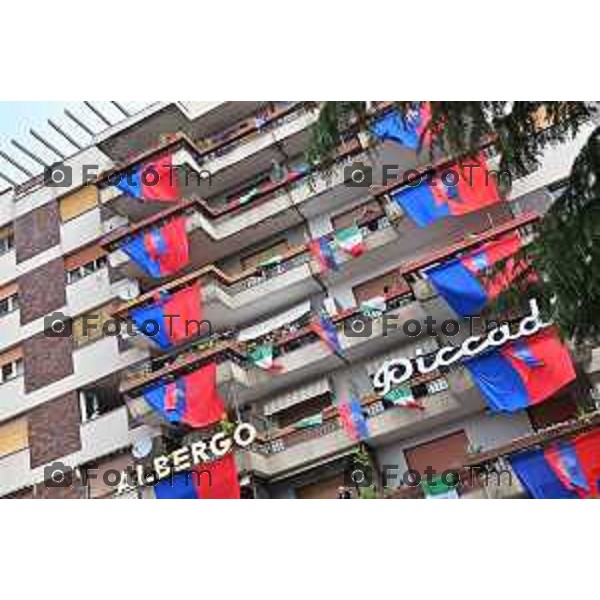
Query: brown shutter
[[82, 257], [9, 290], [361, 214], [445, 453], [104, 314], [553, 411], [6, 231], [77, 203], [11, 356], [255, 259], [13, 436], [392, 282], [322, 490]]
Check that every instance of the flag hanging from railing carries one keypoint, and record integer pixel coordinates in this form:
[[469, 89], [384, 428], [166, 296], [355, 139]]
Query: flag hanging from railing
[[464, 282], [215, 480], [160, 251], [563, 470], [324, 255], [430, 201], [353, 420], [327, 331], [263, 358], [153, 180], [350, 240], [407, 131], [172, 318], [522, 373], [192, 399]]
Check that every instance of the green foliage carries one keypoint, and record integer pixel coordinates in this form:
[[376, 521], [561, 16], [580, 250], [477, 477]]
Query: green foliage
[[566, 251]]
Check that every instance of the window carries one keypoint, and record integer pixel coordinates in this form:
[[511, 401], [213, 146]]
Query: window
[[11, 364], [88, 328], [14, 436], [380, 286], [97, 401], [77, 203], [305, 409], [262, 256], [360, 215], [9, 298], [7, 240], [88, 268]]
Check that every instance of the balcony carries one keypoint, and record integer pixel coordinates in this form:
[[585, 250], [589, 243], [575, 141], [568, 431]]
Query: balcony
[[250, 145], [277, 454], [303, 356]]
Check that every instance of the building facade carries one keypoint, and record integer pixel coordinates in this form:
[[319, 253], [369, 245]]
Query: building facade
[[251, 211]]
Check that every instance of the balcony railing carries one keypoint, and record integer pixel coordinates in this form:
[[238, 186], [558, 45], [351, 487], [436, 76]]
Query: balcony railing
[[274, 441]]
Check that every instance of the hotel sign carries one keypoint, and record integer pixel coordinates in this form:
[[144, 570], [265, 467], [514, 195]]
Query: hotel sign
[[397, 371]]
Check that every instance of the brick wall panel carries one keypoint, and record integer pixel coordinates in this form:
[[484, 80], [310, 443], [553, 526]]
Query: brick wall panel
[[54, 430], [46, 360], [42, 290], [37, 231]]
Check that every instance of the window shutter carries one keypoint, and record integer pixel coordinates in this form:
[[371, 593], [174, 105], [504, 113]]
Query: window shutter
[[361, 214], [77, 203], [80, 258], [372, 288], [13, 436], [11, 356], [445, 453], [9, 290], [253, 260]]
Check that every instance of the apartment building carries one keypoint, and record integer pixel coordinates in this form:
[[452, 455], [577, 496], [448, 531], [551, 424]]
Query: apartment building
[[251, 209]]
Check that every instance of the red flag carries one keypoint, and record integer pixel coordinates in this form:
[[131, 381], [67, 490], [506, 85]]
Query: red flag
[[175, 239], [203, 403], [222, 484], [159, 180], [184, 307]]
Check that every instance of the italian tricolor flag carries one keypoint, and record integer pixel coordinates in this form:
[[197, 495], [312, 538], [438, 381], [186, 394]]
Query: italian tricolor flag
[[350, 240], [438, 490], [307, 422], [373, 308], [262, 357], [402, 396]]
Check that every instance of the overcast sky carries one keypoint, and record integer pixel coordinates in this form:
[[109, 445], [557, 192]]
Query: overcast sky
[[17, 118]]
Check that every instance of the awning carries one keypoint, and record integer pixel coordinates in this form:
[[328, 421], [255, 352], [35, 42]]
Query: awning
[[298, 395], [260, 329]]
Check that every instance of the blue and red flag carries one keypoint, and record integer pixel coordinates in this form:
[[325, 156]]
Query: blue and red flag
[[522, 373], [161, 251], [172, 318], [152, 180], [324, 255], [216, 480], [565, 470], [327, 331], [193, 399], [463, 282], [430, 201], [407, 131], [353, 419]]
